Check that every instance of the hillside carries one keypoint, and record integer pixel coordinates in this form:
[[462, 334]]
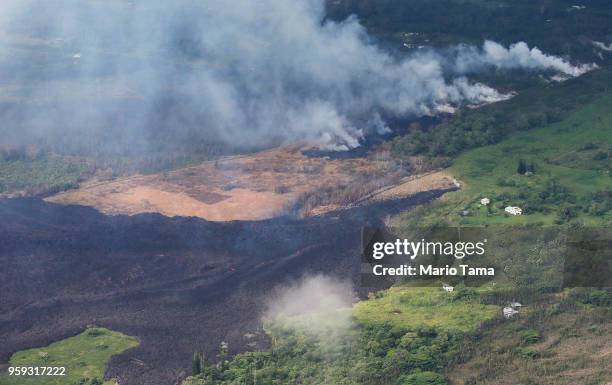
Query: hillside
[[190, 190], [571, 181], [412, 336]]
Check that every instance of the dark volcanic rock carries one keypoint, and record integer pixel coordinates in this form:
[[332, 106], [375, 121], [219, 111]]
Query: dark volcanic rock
[[178, 284]]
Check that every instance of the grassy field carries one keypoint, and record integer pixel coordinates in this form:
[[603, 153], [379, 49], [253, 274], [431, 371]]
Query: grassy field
[[84, 357], [430, 307], [574, 154]]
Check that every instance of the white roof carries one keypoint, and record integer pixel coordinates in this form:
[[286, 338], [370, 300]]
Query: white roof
[[509, 312], [513, 210]]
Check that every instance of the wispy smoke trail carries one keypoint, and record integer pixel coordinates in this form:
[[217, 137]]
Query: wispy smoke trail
[[603, 46], [120, 74], [518, 55]]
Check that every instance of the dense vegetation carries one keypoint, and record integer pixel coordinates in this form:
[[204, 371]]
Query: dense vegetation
[[553, 25], [571, 179], [35, 172], [418, 336], [535, 107], [393, 338], [84, 356]]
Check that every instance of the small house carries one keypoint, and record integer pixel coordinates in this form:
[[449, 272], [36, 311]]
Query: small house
[[513, 210], [516, 305], [485, 201], [509, 312], [447, 288]]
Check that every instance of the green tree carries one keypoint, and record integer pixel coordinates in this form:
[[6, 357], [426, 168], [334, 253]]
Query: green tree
[[196, 363], [531, 168], [521, 169], [222, 356], [424, 378]]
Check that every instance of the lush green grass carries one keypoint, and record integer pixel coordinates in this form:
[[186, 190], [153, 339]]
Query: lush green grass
[[84, 356], [424, 307], [574, 153]]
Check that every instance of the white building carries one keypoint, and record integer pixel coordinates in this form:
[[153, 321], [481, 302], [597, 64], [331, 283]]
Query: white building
[[485, 201], [448, 288], [515, 305], [509, 312], [513, 210]]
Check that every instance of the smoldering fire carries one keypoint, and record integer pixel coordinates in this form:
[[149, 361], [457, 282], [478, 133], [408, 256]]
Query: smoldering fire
[[118, 75]]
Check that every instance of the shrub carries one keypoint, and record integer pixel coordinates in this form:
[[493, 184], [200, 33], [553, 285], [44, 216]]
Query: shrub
[[95, 332], [600, 155], [596, 297], [530, 336], [527, 353], [423, 378]]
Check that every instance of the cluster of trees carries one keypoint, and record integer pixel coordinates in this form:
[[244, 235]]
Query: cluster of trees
[[42, 175], [202, 368], [523, 168], [553, 196], [471, 129], [382, 353], [37, 171], [549, 196], [532, 108], [375, 354]]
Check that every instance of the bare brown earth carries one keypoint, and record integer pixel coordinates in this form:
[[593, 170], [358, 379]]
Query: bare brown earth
[[256, 186]]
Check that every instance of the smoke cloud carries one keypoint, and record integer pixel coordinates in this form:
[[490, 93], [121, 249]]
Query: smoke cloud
[[122, 75], [318, 305], [517, 56]]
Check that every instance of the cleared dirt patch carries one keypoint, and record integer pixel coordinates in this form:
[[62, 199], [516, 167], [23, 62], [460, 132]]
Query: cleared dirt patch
[[255, 186]]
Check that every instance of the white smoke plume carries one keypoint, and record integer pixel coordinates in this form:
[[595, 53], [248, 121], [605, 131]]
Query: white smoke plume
[[517, 56], [602, 46], [319, 305], [122, 74]]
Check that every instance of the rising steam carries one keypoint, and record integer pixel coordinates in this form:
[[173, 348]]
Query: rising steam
[[318, 305], [120, 75]]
